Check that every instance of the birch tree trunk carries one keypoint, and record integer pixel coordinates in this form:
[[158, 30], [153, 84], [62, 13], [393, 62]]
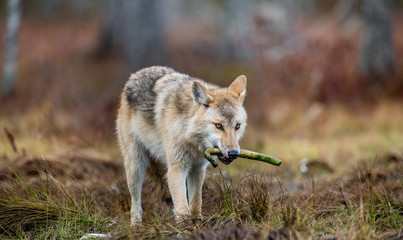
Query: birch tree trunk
[[10, 49]]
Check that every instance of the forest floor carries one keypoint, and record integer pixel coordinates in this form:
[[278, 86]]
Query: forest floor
[[62, 176], [340, 179]]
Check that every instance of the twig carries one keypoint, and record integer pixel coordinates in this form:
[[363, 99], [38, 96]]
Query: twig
[[344, 199], [243, 154], [11, 139]]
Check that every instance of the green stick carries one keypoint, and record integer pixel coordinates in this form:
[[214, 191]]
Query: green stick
[[243, 154]]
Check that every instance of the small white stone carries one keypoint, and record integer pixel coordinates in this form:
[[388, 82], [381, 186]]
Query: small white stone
[[95, 236]]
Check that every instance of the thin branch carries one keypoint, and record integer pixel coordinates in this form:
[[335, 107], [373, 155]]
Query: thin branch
[[243, 154]]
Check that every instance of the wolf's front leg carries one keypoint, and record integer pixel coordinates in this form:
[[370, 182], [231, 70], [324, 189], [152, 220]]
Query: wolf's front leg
[[177, 187], [195, 182]]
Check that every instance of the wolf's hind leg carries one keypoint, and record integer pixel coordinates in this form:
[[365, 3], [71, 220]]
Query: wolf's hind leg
[[136, 161]]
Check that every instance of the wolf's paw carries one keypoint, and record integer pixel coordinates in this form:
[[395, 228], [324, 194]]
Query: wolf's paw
[[196, 213], [136, 222], [183, 220]]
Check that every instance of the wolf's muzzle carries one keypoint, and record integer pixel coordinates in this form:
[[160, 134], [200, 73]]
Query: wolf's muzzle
[[233, 154]]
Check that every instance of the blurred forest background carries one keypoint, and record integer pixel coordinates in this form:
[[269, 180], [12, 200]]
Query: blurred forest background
[[315, 68], [325, 91]]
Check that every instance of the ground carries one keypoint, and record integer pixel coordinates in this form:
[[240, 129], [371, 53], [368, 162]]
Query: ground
[[61, 172], [340, 179]]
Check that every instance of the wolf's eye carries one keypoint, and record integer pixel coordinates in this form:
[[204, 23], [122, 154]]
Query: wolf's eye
[[237, 126], [219, 126]]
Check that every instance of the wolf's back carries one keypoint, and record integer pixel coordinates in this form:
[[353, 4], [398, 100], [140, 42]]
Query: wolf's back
[[139, 90]]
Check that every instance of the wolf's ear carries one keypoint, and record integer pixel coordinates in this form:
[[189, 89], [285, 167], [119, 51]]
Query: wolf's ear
[[200, 94], [238, 86]]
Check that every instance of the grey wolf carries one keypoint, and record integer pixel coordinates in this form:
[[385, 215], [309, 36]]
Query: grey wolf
[[172, 118]]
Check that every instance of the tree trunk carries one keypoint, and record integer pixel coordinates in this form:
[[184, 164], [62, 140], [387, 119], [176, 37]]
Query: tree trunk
[[10, 50], [235, 25], [134, 29], [378, 53]]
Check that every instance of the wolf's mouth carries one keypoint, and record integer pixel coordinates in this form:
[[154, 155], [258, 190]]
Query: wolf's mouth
[[225, 160]]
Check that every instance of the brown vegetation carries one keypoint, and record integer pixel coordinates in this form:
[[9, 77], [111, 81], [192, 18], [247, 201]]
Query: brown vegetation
[[42, 192], [312, 104]]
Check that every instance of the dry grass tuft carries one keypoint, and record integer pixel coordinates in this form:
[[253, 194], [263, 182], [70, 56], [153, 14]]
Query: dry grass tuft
[[368, 202], [25, 207]]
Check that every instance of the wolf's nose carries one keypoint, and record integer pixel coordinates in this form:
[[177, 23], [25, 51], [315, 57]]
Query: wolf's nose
[[233, 154]]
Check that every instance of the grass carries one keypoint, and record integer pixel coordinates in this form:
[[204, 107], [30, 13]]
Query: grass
[[337, 135], [73, 190], [66, 179], [46, 210], [364, 204]]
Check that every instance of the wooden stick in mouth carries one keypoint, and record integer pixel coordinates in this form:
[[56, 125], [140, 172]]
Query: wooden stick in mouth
[[243, 154]]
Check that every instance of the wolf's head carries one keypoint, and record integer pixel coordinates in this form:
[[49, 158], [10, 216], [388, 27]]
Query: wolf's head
[[220, 116]]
